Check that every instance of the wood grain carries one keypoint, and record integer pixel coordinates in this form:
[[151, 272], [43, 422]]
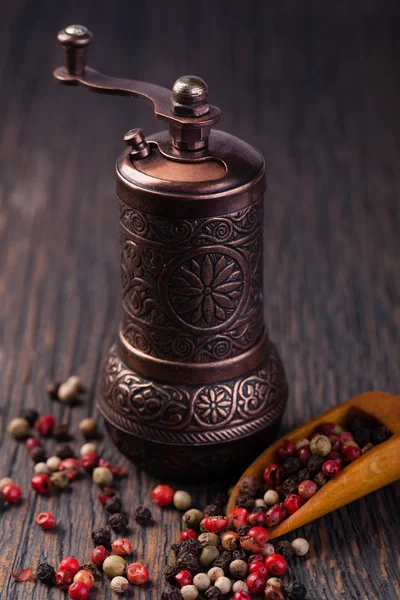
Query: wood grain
[[316, 89]]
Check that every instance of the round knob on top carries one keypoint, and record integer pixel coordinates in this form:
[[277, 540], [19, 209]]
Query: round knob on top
[[75, 39], [190, 95]]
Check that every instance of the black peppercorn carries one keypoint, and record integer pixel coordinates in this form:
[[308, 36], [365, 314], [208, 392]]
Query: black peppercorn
[[188, 562], [52, 389], [212, 510], [213, 593], [363, 437], [191, 546], [45, 573], [320, 479], [315, 463], [243, 530], [380, 434], [265, 487], [245, 501], [31, 415], [262, 509], [60, 431], [291, 465], [250, 486], [118, 522], [220, 498], [303, 475], [289, 486], [113, 505], [143, 515], [170, 592], [38, 455], [64, 451], [357, 423], [169, 573], [285, 548], [223, 561], [239, 555], [101, 537], [296, 591]]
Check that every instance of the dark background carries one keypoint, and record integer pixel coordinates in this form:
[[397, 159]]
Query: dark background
[[315, 86]]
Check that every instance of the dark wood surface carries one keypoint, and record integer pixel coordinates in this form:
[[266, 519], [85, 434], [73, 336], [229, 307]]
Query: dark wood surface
[[315, 86]]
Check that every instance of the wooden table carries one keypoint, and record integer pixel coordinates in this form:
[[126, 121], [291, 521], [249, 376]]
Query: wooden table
[[317, 90]]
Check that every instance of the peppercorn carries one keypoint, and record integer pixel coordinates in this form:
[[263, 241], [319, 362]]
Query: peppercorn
[[19, 428], [214, 573], [291, 465], [285, 548], [88, 448], [366, 448], [289, 486], [191, 546], [380, 434], [102, 476], [45, 573], [60, 431], [65, 451], [113, 505], [189, 592], [238, 569], [31, 415], [5, 481], [208, 555], [53, 463], [169, 573], [300, 546], [274, 581], [119, 584], [101, 537], [239, 554], [188, 562], [41, 468], [307, 489], [143, 515], [171, 592], [224, 584], [113, 566], [201, 581], [212, 510], [192, 518], [363, 436], [260, 504], [213, 593], [320, 445], [320, 479], [249, 486], [88, 427], [240, 586], [296, 591], [271, 497], [245, 501], [243, 530], [314, 464], [59, 480], [182, 500], [273, 592], [230, 540], [208, 539], [38, 454], [69, 390], [118, 522], [303, 475], [223, 561]]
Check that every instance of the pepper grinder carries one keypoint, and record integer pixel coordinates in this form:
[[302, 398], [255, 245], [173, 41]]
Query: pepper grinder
[[193, 387]]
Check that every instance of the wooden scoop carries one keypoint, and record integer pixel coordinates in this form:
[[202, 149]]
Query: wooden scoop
[[374, 469]]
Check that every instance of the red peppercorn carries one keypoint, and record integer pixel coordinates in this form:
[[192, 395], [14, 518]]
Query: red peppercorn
[[184, 578], [11, 493], [307, 489], [106, 494], [188, 534], [63, 579], [99, 555], [293, 502], [346, 436], [116, 470], [248, 544], [32, 443], [337, 457], [274, 475], [241, 595], [257, 518], [69, 564], [78, 591], [272, 592], [162, 495], [276, 514], [238, 516], [303, 454], [287, 449], [351, 452], [46, 520], [255, 583], [137, 573], [255, 558], [260, 568], [90, 461], [121, 547], [327, 428], [335, 442], [71, 466], [331, 468], [41, 484], [215, 524], [259, 535], [276, 564], [44, 425]]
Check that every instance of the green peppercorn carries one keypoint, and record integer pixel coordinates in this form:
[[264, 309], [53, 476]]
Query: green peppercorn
[[182, 500], [208, 539], [320, 445], [102, 476], [192, 518], [88, 428], [59, 480], [19, 428], [208, 555], [114, 566]]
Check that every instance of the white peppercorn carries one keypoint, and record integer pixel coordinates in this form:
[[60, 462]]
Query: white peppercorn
[[114, 566], [189, 592], [53, 463], [5, 481], [102, 476], [224, 584], [119, 584], [202, 581], [69, 390], [182, 500], [19, 428], [208, 539], [88, 448], [300, 546], [271, 497], [88, 427], [238, 569], [215, 573], [267, 549], [208, 555], [320, 445], [260, 502], [300, 444], [240, 586], [274, 581], [41, 469]]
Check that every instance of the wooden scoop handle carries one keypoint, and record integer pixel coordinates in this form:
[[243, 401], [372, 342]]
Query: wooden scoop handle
[[373, 470]]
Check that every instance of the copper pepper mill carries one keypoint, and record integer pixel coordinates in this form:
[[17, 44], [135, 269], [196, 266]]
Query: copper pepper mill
[[193, 386]]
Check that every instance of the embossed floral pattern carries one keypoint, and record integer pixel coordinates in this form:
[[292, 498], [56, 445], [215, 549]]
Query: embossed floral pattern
[[207, 289], [213, 405]]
